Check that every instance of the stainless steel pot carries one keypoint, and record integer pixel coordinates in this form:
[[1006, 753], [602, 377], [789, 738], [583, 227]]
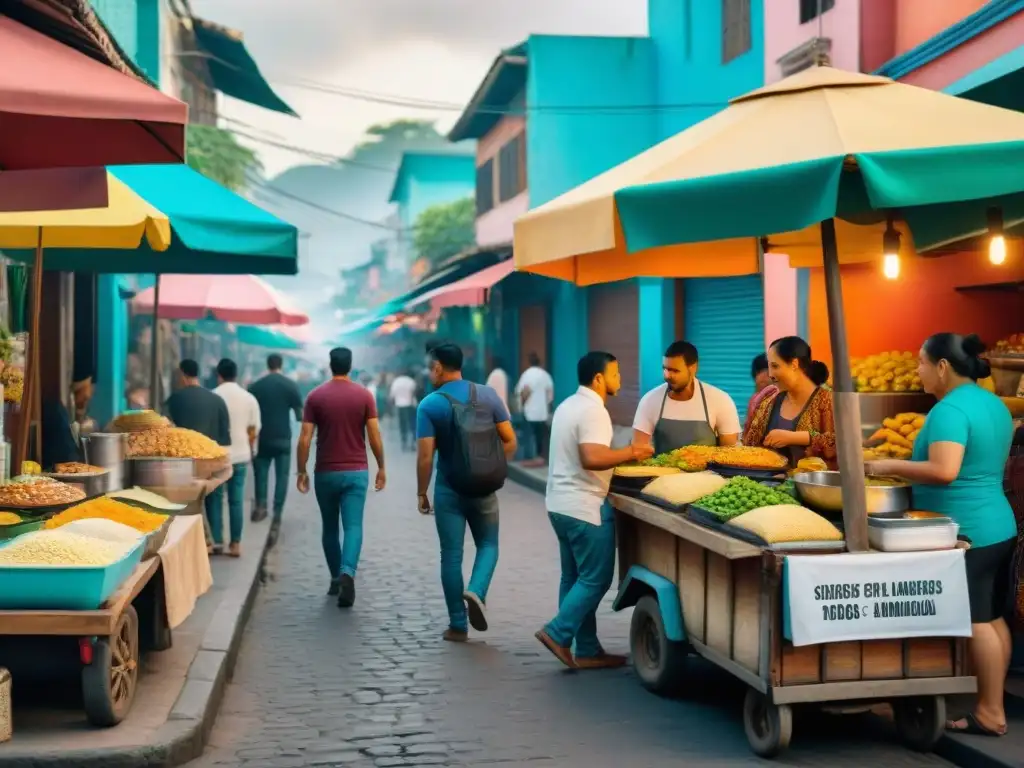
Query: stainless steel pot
[[107, 450], [158, 472], [91, 483], [821, 491]]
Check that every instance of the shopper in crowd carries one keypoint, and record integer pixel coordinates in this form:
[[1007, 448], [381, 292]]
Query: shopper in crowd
[[244, 417], [470, 467], [957, 470], [279, 400], [762, 385], [498, 380], [536, 393], [403, 397], [193, 406], [582, 461], [685, 410], [797, 420], [343, 415]]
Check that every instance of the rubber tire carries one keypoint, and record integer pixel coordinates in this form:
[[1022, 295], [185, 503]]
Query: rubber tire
[[920, 721], [769, 727], [97, 697], [667, 674]]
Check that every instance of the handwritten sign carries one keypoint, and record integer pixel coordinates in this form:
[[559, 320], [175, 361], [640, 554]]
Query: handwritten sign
[[876, 596]]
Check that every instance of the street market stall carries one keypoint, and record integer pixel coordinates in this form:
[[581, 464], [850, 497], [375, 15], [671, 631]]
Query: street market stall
[[827, 167]]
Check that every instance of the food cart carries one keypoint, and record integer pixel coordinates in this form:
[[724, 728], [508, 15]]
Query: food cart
[[898, 172], [696, 590]]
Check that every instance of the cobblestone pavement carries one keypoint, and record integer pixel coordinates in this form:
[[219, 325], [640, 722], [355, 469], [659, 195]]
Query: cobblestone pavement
[[375, 686]]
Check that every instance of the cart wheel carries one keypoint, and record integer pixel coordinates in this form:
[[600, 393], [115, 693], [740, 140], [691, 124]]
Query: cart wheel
[[108, 683], [660, 663], [768, 726], [920, 721]]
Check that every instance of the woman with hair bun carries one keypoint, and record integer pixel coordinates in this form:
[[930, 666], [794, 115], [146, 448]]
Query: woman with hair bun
[[797, 419], [957, 469]]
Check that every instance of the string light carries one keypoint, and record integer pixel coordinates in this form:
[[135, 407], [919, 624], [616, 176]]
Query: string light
[[891, 252], [997, 243]]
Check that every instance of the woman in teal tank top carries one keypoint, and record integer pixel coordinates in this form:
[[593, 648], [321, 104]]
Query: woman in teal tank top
[[957, 469]]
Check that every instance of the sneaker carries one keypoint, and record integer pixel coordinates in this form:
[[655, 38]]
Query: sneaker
[[335, 588], [346, 591], [476, 609], [259, 514], [455, 635]]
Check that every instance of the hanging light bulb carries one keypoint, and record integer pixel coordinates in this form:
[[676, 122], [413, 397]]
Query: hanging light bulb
[[891, 252], [997, 242]]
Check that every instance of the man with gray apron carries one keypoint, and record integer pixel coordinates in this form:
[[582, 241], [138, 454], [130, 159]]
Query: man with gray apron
[[684, 410]]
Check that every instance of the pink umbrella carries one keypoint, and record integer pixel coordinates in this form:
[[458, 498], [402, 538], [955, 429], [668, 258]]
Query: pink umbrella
[[232, 298]]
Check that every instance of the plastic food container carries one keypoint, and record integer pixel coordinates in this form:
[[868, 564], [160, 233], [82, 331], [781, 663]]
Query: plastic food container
[[60, 588], [906, 535]]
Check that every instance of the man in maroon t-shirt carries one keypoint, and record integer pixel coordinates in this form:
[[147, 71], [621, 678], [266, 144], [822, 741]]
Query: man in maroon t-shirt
[[343, 414]]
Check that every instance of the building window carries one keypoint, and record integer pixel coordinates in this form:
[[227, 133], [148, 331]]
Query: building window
[[736, 38], [811, 9], [485, 187], [512, 168]]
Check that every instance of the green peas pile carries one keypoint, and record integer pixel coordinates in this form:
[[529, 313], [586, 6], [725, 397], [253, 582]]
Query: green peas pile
[[741, 495]]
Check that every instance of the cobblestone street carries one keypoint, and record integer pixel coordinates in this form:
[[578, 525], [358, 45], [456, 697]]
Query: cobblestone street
[[376, 686]]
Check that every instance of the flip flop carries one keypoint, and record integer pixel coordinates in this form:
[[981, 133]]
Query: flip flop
[[972, 727]]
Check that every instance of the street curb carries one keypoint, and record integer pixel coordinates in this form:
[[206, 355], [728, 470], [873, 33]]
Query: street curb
[[526, 479], [185, 733]]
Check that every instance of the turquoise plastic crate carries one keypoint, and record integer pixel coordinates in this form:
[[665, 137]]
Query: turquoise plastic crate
[[59, 588]]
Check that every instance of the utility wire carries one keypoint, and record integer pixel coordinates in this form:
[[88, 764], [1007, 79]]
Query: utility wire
[[331, 211]]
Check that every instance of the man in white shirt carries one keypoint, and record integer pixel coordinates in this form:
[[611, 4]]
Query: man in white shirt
[[244, 418], [536, 392], [498, 380], [582, 461], [403, 397], [684, 410]]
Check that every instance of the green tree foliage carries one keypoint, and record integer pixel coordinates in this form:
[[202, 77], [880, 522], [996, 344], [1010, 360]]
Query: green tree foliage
[[444, 230], [216, 154]]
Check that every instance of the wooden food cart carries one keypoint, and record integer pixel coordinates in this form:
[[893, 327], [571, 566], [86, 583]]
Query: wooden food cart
[[108, 642], [695, 590]]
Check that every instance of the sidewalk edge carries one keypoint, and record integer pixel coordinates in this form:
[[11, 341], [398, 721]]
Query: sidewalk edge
[[526, 479]]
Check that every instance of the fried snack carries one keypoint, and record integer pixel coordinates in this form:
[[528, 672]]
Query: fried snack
[[43, 493], [9, 518], [631, 470], [13, 379], [76, 468], [173, 443], [139, 421], [109, 509], [749, 457]]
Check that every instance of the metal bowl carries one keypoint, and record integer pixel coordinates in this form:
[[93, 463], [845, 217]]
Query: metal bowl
[[821, 491]]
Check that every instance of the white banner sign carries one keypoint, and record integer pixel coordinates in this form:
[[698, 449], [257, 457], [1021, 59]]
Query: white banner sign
[[876, 596]]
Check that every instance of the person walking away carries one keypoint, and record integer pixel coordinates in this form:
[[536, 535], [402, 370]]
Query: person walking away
[[343, 415], [685, 410], [957, 469], [536, 392], [498, 381], [582, 461], [244, 417], [279, 400], [468, 427], [195, 407], [403, 395]]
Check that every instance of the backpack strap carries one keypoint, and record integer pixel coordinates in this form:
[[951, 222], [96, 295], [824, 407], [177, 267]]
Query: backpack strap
[[472, 394]]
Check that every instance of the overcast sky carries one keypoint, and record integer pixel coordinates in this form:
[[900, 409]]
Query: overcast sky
[[435, 50]]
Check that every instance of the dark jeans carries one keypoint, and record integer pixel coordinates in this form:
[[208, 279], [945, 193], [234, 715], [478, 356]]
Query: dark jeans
[[236, 507], [540, 438], [342, 497], [407, 425], [261, 477], [452, 513]]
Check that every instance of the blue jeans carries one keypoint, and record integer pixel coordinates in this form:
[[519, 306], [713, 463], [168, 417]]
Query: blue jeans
[[452, 513], [588, 566], [342, 497], [261, 475], [214, 504]]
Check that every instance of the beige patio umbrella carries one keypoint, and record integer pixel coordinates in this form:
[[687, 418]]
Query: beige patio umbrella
[[826, 166]]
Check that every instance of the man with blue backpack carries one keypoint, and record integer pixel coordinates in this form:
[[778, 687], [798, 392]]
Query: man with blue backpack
[[468, 427]]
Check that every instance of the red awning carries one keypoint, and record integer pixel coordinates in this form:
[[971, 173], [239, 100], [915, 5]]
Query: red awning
[[469, 291], [60, 108]]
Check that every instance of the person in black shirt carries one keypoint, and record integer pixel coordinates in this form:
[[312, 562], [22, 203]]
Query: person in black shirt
[[279, 400], [197, 408]]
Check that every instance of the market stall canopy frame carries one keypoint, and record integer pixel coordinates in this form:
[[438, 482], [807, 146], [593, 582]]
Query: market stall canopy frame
[[821, 144]]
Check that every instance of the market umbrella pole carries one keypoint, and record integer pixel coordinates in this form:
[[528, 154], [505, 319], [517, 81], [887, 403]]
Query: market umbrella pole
[[154, 352], [30, 400], [847, 404]]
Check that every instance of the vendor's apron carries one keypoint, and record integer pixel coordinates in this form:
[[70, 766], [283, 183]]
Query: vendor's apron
[[670, 434], [776, 421]]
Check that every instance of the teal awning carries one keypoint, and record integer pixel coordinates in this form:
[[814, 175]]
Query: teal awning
[[999, 83], [268, 338], [214, 231], [232, 69]]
